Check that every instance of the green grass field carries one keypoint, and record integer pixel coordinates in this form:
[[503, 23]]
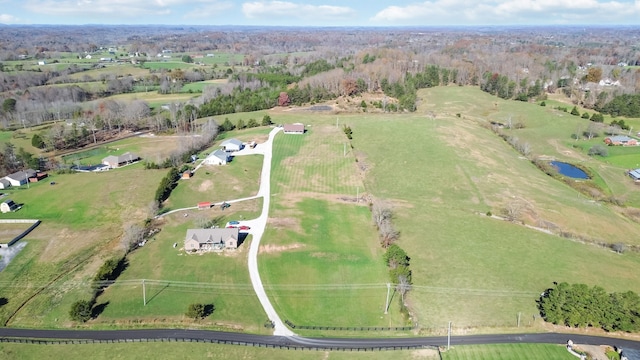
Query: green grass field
[[194, 350], [507, 352]]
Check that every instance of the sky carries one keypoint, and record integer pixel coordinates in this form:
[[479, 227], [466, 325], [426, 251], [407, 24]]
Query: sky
[[322, 12]]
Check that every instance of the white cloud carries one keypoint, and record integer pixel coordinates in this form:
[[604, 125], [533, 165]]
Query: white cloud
[[8, 19], [209, 10], [266, 9], [115, 8], [462, 12]]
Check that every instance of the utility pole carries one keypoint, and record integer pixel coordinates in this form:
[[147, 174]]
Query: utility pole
[[144, 293], [449, 336], [386, 304]]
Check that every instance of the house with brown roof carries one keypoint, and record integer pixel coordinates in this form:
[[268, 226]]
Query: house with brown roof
[[296, 128], [114, 161], [205, 240]]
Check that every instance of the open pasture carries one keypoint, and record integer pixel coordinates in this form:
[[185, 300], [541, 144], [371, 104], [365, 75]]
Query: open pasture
[[448, 172]]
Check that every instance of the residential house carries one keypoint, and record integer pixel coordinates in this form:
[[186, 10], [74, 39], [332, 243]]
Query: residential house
[[620, 140], [232, 145], [4, 183], [20, 177], [217, 157], [117, 161], [294, 128], [9, 205], [211, 239]]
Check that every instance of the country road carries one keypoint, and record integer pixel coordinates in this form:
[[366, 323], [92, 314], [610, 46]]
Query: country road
[[313, 343]]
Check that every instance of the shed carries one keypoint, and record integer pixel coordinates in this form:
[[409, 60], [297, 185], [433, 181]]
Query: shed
[[296, 128], [204, 205], [232, 145], [8, 206], [4, 183], [187, 174], [634, 174]]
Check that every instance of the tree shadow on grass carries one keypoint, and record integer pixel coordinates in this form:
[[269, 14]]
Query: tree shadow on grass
[[98, 309], [3, 301], [208, 310]]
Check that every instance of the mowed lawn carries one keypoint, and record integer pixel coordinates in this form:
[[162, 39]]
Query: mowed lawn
[[508, 352], [176, 279], [320, 260]]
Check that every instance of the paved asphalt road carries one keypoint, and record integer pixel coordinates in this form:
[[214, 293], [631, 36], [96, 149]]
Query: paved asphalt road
[[321, 343]]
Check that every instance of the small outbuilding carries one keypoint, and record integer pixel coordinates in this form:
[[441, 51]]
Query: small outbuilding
[[204, 205], [4, 183], [187, 175], [232, 145], [634, 174], [8, 206], [296, 128]]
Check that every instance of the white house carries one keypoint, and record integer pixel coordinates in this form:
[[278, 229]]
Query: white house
[[4, 183], [217, 157], [232, 145]]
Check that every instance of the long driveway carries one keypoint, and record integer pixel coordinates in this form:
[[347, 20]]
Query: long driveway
[[257, 230]]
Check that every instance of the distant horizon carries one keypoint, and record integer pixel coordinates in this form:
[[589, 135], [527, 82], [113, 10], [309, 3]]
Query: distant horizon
[[323, 13]]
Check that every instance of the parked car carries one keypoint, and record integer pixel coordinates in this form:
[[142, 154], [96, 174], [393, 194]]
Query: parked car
[[231, 227], [234, 222], [244, 227]]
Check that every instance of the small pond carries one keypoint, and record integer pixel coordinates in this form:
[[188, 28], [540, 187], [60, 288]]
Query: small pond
[[569, 170]]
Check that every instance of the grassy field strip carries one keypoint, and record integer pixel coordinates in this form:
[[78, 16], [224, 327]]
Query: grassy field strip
[[176, 350], [507, 352]]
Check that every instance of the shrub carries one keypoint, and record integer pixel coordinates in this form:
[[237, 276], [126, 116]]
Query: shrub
[[543, 104], [575, 111], [199, 311], [599, 150], [81, 310], [585, 115]]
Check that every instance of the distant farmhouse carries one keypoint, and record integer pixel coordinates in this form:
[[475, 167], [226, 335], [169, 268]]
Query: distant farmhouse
[[232, 145], [620, 140], [205, 240], [121, 160], [294, 128], [217, 157]]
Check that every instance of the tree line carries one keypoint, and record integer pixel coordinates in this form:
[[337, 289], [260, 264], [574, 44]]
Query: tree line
[[578, 305]]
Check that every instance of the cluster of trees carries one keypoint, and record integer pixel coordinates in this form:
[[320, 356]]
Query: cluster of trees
[[623, 105], [382, 218], [12, 160], [397, 261], [578, 305], [505, 88], [166, 186]]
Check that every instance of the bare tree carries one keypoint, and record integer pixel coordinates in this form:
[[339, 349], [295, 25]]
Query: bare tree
[[403, 286], [133, 235]]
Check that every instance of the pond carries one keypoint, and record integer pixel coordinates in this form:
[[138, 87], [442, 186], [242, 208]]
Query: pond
[[569, 170]]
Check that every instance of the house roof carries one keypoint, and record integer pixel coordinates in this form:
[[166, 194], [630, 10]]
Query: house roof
[[220, 155], [293, 127], [126, 157], [635, 174], [212, 236], [5, 182], [22, 175], [620, 138], [10, 203], [235, 142]]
